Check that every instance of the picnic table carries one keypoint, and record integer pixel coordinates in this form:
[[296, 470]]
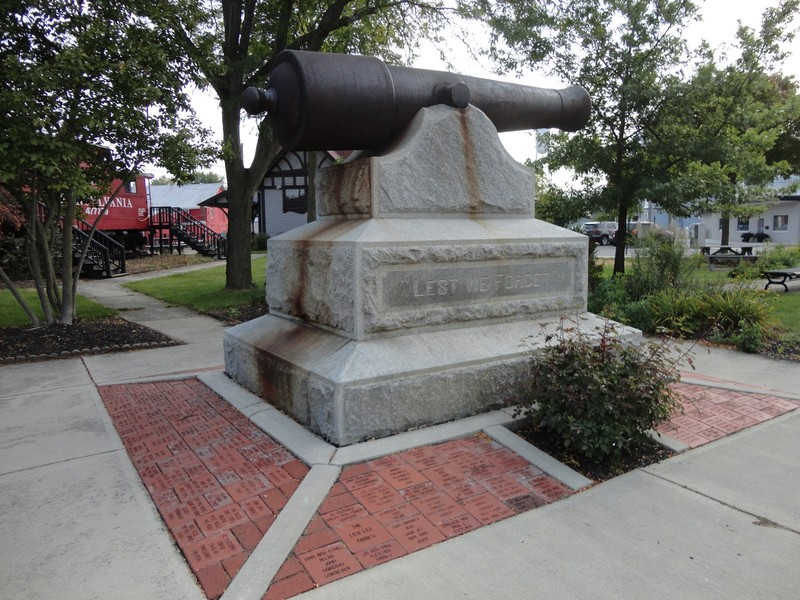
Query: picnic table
[[781, 276], [728, 254], [733, 249]]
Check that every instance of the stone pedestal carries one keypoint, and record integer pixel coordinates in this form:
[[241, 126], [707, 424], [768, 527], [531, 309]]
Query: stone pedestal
[[407, 302]]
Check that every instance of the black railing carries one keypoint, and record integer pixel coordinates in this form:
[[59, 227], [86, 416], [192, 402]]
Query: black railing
[[180, 225], [105, 254]]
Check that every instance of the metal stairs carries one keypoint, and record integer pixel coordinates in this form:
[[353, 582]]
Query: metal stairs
[[183, 227], [105, 256]]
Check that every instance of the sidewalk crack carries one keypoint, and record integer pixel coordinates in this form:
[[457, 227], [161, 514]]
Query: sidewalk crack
[[760, 520]]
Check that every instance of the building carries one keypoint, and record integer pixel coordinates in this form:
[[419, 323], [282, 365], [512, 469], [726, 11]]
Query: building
[[281, 199], [780, 219], [189, 198]]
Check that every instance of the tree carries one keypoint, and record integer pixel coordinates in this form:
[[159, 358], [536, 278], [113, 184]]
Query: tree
[[89, 95], [232, 45], [200, 177], [624, 52], [734, 127]]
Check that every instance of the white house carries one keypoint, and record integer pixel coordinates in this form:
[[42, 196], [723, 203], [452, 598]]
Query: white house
[[280, 201], [780, 219]]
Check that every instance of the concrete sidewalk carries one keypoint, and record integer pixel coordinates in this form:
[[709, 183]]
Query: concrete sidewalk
[[720, 521]]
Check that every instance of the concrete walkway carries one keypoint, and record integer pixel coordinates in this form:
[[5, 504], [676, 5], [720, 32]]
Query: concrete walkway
[[719, 521]]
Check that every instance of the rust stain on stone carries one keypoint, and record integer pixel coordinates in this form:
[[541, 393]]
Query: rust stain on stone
[[470, 156]]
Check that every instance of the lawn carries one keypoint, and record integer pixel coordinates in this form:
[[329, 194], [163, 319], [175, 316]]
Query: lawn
[[204, 291], [12, 315], [787, 311]]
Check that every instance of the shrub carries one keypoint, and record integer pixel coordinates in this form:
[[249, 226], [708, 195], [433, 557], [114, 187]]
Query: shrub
[[595, 268], [259, 241], [658, 263], [598, 394], [727, 311], [674, 311], [779, 257], [608, 296]]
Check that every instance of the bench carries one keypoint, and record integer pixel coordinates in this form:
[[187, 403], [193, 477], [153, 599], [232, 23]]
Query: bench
[[781, 276], [729, 259]]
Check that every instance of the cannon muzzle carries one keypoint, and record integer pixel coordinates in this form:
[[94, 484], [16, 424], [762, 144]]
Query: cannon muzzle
[[322, 101]]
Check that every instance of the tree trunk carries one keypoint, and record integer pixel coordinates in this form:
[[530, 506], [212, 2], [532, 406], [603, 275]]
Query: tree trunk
[[67, 308], [237, 274], [622, 239], [726, 230]]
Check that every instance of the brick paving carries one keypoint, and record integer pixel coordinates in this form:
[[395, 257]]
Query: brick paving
[[711, 413], [217, 480], [386, 508]]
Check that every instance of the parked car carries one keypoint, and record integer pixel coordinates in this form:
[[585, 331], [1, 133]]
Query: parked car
[[599, 231], [642, 228]]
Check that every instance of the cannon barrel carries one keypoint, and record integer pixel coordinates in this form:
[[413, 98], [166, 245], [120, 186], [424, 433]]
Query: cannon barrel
[[323, 101]]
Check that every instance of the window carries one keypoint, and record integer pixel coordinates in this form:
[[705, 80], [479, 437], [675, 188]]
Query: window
[[743, 224], [130, 187], [294, 200], [780, 223]]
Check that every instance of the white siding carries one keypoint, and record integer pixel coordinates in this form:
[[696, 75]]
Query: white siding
[[278, 221], [789, 237]]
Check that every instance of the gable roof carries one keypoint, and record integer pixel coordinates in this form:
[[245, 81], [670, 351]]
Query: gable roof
[[183, 196]]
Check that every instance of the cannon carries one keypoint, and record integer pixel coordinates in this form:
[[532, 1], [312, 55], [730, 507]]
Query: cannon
[[323, 101]]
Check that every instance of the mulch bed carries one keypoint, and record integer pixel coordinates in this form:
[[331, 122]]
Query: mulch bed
[[97, 336], [647, 454]]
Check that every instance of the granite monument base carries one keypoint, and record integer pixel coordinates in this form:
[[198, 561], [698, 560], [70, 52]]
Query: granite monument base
[[348, 391]]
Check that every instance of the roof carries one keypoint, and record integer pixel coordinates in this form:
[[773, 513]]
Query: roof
[[183, 196]]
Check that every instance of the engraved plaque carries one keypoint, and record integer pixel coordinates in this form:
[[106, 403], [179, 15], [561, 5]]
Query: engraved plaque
[[419, 286]]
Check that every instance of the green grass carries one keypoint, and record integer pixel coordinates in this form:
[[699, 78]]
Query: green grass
[[12, 315], [787, 311], [204, 290]]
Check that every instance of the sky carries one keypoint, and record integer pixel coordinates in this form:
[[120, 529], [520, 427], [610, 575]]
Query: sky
[[718, 27]]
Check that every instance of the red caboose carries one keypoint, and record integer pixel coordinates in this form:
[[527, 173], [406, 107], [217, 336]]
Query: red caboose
[[127, 217]]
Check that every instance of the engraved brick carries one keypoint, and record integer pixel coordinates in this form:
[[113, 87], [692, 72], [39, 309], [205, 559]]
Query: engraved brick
[[504, 486], [377, 496], [458, 525], [380, 554], [344, 514], [486, 508], [218, 499], [415, 533], [418, 491], [424, 457], [247, 488], [330, 563], [255, 508], [522, 504], [439, 507], [223, 518], [186, 511], [386, 462], [402, 476], [363, 533], [210, 550], [396, 513]]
